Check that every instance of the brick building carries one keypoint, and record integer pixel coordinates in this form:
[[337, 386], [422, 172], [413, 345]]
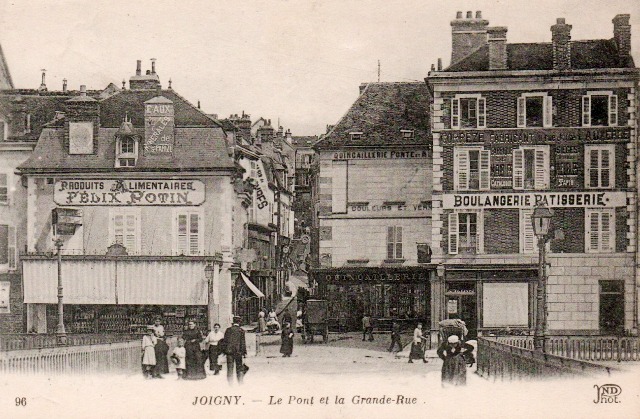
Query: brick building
[[518, 125], [373, 200]]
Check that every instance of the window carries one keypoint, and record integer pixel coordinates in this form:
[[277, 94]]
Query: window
[[465, 233], [394, 242], [125, 229], [611, 307], [505, 304], [8, 248], [471, 169], [355, 135], [4, 188], [468, 111], [339, 187], [407, 133], [600, 166], [528, 240], [80, 138], [599, 109], [531, 167], [127, 151], [189, 234], [424, 253], [600, 230], [535, 110]]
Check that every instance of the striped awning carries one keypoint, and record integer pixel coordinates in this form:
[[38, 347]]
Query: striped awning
[[251, 286]]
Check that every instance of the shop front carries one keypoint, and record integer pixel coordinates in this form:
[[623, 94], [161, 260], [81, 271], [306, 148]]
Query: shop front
[[496, 299], [386, 293]]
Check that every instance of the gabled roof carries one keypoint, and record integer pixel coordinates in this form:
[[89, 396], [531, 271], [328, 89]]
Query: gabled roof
[[380, 113], [593, 54], [41, 108], [5, 75]]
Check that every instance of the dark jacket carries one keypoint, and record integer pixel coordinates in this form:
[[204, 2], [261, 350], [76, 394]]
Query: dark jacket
[[234, 343], [395, 329]]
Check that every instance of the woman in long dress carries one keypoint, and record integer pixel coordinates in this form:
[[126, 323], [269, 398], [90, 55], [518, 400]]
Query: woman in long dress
[[286, 348], [161, 350], [454, 365], [148, 353], [194, 363], [262, 324], [417, 352]]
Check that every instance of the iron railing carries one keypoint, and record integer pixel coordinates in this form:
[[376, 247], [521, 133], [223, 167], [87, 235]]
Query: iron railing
[[16, 341], [501, 361]]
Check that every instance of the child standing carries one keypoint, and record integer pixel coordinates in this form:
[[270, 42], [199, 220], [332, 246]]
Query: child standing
[[178, 357], [148, 353]]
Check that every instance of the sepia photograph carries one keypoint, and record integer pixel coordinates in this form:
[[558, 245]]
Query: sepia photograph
[[319, 209]]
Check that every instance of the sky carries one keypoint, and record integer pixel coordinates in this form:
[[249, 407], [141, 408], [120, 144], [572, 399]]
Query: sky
[[296, 62]]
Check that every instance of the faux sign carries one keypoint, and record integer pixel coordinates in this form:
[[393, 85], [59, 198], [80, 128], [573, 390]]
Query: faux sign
[[128, 192]]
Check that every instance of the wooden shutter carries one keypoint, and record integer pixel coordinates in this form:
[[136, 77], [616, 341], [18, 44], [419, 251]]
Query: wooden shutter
[[592, 224], [461, 169], [541, 180], [522, 112], [528, 242], [390, 238], [605, 168], [613, 110], [117, 222], [194, 234], [586, 111], [606, 233], [485, 170], [4, 188], [518, 168], [453, 233], [130, 230], [4, 244], [547, 116], [181, 234], [482, 112], [398, 242], [591, 168], [12, 248], [455, 113]]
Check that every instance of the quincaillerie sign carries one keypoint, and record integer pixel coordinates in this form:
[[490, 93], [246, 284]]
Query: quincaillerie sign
[[375, 276], [118, 192], [536, 136], [531, 200]]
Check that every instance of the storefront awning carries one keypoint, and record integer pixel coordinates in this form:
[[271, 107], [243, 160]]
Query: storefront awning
[[252, 287]]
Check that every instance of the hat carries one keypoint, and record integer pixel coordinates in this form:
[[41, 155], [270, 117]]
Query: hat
[[453, 339], [237, 319]]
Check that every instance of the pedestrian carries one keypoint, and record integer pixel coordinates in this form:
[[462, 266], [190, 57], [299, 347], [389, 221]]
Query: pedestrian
[[417, 350], [148, 353], [158, 327], [272, 321], [395, 337], [286, 317], [161, 350], [235, 349], [194, 365], [286, 347], [299, 321], [214, 339], [454, 355], [367, 328], [262, 323], [178, 357]]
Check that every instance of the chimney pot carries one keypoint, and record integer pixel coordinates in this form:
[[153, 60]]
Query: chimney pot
[[560, 21], [138, 67], [148, 73], [64, 85], [433, 67], [479, 14], [153, 66], [459, 15], [83, 90], [469, 15]]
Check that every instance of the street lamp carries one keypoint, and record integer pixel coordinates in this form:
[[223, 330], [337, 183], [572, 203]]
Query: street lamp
[[61, 334], [541, 220], [208, 273]]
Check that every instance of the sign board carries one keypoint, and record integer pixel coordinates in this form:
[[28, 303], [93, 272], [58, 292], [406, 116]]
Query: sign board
[[536, 136], [452, 306], [5, 292], [129, 192], [531, 200], [159, 123], [381, 154]]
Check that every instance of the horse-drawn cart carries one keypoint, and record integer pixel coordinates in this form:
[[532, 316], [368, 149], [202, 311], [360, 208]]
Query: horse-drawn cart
[[315, 320]]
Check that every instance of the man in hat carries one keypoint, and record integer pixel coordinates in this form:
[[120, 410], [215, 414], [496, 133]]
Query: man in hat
[[235, 349]]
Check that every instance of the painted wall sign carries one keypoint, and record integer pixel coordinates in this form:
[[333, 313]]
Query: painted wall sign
[[531, 200], [568, 165], [365, 206], [380, 154], [159, 125], [5, 288], [128, 192], [376, 276], [536, 136]]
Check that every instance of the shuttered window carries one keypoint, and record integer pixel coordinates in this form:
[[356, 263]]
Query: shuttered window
[[600, 166], [472, 169], [528, 241], [339, 187], [600, 230], [4, 188], [468, 111], [599, 109], [125, 229], [531, 167], [394, 242], [465, 233], [8, 248], [188, 233], [534, 110]]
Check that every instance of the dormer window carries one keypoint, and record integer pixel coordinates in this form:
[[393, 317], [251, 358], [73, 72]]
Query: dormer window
[[356, 135], [126, 151], [407, 133]]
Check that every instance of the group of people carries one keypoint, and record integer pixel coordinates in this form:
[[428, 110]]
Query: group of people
[[189, 358], [286, 330]]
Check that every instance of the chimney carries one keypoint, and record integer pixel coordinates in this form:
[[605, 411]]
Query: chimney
[[64, 85], [148, 81], [43, 84], [561, 40], [439, 64], [287, 136], [138, 67], [153, 66], [622, 36], [83, 90], [467, 35], [497, 48], [82, 110]]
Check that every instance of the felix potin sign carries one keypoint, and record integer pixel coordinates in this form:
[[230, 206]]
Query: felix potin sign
[[114, 192]]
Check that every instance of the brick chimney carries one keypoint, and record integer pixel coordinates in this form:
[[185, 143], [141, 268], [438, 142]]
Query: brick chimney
[[497, 48], [147, 81], [83, 115], [467, 35], [243, 123], [622, 36], [561, 40]]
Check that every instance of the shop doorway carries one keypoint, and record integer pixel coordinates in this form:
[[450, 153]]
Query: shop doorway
[[611, 307], [462, 304]]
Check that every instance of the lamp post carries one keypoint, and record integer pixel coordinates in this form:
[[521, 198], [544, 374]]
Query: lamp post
[[208, 273], [541, 220], [61, 334]]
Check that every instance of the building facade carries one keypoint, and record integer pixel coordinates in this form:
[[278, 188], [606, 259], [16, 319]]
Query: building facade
[[374, 207], [516, 126]]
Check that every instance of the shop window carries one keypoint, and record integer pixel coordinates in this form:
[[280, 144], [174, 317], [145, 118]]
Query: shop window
[[125, 229], [611, 308], [600, 230], [8, 248], [505, 304], [339, 187], [4, 188], [465, 233], [468, 111], [531, 167], [599, 109], [80, 138], [528, 240], [188, 233], [600, 166], [535, 110], [471, 169], [394, 242]]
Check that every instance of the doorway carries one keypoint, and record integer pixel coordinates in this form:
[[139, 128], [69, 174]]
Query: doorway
[[611, 307]]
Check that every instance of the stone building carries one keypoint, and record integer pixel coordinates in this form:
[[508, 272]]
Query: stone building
[[374, 207], [521, 125]]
